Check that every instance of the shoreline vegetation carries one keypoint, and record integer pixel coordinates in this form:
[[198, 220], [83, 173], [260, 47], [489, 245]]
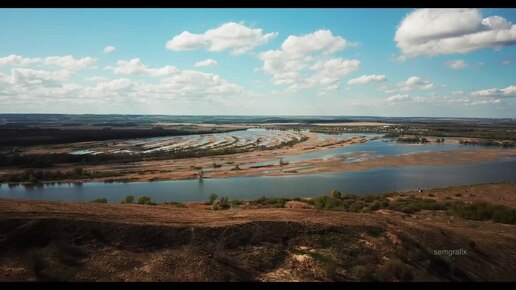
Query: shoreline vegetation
[[406, 202]]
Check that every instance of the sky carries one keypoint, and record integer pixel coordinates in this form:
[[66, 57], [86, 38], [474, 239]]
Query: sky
[[337, 62]]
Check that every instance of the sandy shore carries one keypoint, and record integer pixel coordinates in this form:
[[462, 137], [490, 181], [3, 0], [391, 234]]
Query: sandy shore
[[182, 169]]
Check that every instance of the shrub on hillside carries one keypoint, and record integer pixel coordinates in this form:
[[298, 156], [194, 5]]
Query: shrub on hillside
[[99, 200], [128, 199], [145, 200]]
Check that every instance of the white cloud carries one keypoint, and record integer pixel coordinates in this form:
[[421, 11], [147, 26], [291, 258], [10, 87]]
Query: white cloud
[[440, 100], [232, 36], [32, 77], [306, 61], [34, 87], [398, 98], [16, 60], [457, 64], [446, 31], [415, 83], [109, 49], [136, 67], [67, 62], [509, 91], [174, 87], [329, 71], [473, 102], [366, 79], [97, 79], [113, 86], [206, 62], [485, 102], [320, 40]]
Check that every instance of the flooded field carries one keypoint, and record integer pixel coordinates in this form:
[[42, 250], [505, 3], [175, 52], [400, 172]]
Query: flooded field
[[244, 139]]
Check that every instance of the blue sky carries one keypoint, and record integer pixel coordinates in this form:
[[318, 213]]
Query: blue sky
[[381, 62]]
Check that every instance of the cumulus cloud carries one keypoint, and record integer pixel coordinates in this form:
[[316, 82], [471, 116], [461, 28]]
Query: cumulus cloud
[[415, 83], [446, 31], [16, 60], [306, 61], [33, 77], [206, 62], [366, 79], [109, 49], [398, 98], [457, 64], [68, 62], [320, 40], [235, 37], [507, 92], [136, 67], [173, 87]]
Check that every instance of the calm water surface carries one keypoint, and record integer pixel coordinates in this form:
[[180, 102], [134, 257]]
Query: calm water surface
[[368, 181]]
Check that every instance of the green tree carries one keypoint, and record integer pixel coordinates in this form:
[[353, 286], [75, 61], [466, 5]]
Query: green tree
[[336, 194]]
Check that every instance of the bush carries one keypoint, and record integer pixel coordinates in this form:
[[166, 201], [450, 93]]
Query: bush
[[349, 196], [320, 202], [375, 205], [357, 206], [326, 202], [336, 194], [144, 200], [276, 202], [212, 198], [504, 215], [412, 205], [128, 199], [224, 203], [99, 200], [485, 211], [235, 202]]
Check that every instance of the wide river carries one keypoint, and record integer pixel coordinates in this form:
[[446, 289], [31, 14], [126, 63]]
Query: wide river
[[367, 181]]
